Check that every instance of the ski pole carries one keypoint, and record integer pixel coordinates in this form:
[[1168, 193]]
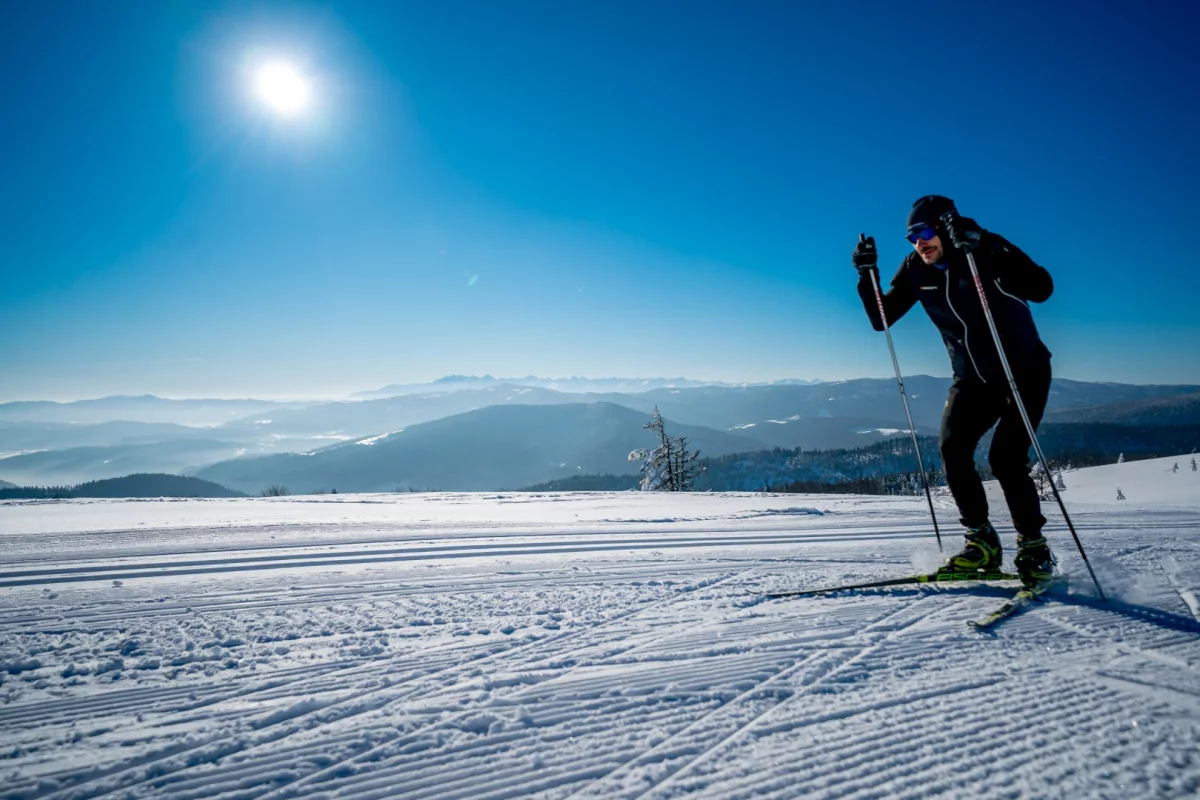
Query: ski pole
[[904, 396], [1012, 384]]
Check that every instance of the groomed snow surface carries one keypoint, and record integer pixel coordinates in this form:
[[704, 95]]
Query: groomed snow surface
[[595, 645]]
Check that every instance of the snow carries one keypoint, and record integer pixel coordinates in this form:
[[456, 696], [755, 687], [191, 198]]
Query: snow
[[590, 645], [373, 439], [15, 453]]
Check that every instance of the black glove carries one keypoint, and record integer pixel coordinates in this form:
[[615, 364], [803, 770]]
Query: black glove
[[964, 232], [865, 256]]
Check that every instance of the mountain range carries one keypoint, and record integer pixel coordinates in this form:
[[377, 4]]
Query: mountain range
[[499, 447], [452, 383], [140, 408], [497, 435]]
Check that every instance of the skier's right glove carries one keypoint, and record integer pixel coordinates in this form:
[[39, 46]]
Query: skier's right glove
[[865, 256]]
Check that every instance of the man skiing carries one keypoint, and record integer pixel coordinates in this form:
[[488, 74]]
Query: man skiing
[[936, 274]]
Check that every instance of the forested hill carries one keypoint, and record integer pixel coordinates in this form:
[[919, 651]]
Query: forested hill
[[1175, 410], [862, 469], [141, 485]]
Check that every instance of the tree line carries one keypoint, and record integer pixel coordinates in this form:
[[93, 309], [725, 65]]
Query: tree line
[[139, 485]]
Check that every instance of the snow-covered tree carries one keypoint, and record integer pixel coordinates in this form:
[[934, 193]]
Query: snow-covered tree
[[1041, 480], [1120, 458], [1193, 463], [1176, 467], [1120, 496], [1060, 484], [670, 467], [652, 468]]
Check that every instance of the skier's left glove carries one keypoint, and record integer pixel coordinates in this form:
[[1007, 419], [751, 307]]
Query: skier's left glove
[[964, 232]]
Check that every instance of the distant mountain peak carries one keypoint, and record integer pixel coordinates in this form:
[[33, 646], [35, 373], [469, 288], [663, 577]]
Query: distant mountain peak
[[573, 384]]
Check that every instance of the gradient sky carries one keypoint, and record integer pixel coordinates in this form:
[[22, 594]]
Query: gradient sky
[[574, 188]]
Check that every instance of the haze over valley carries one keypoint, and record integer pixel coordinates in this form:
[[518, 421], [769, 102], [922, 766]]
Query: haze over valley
[[485, 434]]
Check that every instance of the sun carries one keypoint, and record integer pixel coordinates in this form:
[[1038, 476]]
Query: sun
[[282, 89]]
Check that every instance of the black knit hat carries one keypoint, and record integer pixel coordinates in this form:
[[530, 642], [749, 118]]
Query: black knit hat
[[927, 211]]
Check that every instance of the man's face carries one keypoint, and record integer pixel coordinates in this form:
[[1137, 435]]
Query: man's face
[[930, 250]]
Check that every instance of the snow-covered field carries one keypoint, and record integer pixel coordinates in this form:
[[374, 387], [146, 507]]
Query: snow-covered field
[[590, 645]]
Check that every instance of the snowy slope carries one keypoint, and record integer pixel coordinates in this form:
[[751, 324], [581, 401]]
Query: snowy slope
[[588, 646], [1151, 484]]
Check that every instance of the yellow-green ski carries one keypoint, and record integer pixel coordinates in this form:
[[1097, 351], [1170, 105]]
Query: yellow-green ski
[[1022, 600], [932, 577]]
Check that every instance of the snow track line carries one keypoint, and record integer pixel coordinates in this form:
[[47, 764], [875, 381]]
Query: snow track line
[[437, 540], [391, 741], [225, 743], [190, 605], [327, 559], [840, 664], [903, 759], [407, 689], [159, 568], [600, 786], [424, 535], [197, 696], [170, 569], [381, 665], [898, 756], [388, 770]]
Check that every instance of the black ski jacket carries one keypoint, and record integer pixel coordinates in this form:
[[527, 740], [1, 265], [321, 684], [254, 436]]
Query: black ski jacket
[[1011, 280]]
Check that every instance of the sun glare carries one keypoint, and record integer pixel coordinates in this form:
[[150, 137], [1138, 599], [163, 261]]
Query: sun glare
[[282, 89]]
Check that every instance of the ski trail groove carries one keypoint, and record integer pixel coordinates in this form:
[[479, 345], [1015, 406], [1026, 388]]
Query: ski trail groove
[[838, 664], [393, 692]]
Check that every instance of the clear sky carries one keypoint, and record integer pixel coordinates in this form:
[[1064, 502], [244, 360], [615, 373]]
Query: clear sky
[[574, 188]]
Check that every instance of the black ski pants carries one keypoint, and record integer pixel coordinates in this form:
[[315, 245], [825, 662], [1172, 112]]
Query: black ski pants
[[972, 408]]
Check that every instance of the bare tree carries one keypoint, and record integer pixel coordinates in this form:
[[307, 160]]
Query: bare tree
[[275, 490], [686, 469]]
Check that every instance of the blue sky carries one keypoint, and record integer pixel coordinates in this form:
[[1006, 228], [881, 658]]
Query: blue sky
[[574, 188]]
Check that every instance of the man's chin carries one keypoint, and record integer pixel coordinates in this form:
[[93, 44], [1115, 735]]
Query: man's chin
[[929, 258]]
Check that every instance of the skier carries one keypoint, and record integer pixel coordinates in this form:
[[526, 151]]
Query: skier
[[937, 275]]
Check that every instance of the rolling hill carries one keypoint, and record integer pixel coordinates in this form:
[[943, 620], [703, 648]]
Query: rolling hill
[[499, 447]]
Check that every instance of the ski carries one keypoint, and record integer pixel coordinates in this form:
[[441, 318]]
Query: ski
[[932, 577], [1186, 595], [1022, 600]]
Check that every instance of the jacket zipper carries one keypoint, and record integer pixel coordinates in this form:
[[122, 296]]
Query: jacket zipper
[[1013, 296], [966, 344]]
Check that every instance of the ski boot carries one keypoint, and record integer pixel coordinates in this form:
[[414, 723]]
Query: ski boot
[[1034, 563], [982, 553]]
